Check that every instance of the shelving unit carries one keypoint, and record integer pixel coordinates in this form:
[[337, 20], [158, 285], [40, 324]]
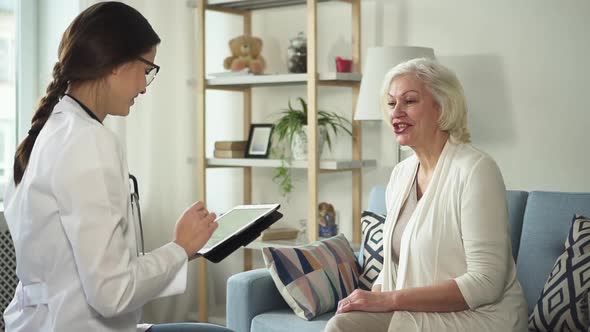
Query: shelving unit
[[312, 79], [258, 244], [325, 165], [255, 4], [248, 81]]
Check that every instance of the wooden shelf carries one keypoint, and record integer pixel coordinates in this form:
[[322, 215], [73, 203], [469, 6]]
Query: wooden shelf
[[244, 81], [255, 4], [258, 244], [329, 165]]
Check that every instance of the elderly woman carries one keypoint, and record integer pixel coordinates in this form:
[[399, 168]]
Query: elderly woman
[[447, 262]]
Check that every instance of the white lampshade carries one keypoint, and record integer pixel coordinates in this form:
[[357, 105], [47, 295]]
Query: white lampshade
[[378, 62]]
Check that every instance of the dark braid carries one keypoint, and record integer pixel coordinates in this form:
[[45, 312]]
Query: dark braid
[[55, 91]]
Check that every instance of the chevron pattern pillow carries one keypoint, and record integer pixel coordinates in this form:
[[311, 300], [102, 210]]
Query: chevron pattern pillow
[[563, 304], [372, 248], [313, 278]]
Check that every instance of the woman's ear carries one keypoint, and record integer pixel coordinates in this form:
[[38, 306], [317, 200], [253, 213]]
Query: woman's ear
[[118, 69], [436, 105]]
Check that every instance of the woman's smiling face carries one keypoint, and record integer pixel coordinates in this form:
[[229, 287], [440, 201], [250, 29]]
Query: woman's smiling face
[[413, 112]]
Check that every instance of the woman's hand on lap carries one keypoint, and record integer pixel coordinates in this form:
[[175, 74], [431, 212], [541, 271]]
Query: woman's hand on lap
[[361, 300]]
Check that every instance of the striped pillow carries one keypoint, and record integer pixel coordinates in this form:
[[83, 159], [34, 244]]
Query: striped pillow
[[313, 278], [563, 304]]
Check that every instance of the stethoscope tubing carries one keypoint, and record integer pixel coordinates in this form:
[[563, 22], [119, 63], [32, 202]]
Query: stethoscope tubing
[[135, 200]]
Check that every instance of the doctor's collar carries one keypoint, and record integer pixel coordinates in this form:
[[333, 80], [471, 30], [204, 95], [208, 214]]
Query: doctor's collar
[[85, 108]]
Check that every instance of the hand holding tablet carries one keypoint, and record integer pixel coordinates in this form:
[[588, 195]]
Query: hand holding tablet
[[238, 227], [194, 228]]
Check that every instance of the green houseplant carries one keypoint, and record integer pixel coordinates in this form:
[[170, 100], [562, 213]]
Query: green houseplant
[[291, 129]]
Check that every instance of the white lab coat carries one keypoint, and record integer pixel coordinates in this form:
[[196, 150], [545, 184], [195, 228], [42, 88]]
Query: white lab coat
[[70, 219], [459, 231]]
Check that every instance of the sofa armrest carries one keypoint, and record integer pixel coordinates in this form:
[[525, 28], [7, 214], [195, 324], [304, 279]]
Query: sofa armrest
[[248, 294]]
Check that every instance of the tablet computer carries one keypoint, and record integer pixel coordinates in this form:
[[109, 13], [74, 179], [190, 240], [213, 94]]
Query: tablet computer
[[238, 227]]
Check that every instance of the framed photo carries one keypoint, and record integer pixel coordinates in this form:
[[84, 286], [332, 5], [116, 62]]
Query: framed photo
[[258, 145]]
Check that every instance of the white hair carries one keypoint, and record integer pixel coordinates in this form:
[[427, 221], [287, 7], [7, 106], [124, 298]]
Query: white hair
[[445, 88]]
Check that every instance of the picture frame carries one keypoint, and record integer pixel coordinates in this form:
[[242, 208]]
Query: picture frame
[[259, 140]]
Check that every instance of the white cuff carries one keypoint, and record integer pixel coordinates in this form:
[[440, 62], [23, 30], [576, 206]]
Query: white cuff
[[178, 284]]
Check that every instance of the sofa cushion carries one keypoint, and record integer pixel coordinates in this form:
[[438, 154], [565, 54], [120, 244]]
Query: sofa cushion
[[284, 321], [313, 278], [563, 304], [371, 255], [516, 203], [250, 293], [547, 220]]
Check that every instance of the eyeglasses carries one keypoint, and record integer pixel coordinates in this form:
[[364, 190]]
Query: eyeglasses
[[150, 73]]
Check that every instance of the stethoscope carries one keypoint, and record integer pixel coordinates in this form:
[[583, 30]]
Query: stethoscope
[[135, 201]]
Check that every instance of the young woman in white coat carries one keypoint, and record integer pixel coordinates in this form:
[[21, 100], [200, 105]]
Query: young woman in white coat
[[447, 252], [68, 208]]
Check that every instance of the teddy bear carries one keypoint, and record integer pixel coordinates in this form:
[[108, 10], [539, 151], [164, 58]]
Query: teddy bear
[[245, 52]]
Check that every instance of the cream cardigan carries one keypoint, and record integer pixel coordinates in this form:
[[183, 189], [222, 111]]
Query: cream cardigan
[[459, 230]]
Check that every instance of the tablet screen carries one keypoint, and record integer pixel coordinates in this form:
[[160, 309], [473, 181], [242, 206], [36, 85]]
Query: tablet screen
[[234, 220]]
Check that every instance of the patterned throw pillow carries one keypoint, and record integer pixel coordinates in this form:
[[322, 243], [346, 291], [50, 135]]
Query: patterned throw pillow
[[563, 304], [313, 278], [372, 248]]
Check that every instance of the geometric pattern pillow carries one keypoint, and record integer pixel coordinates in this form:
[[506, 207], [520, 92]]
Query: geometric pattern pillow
[[563, 304], [313, 278], [372, 248]]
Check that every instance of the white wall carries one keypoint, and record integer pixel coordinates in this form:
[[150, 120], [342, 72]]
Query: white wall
[[522, 65]]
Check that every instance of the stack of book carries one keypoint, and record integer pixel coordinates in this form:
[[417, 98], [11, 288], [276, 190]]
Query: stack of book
[[279, 233], [230, 149]]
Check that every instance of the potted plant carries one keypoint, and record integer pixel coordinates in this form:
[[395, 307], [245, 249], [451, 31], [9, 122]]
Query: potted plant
[[291, 129]]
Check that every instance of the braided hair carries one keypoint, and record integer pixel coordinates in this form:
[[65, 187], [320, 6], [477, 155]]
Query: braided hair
[[101, 38], [55, 90]]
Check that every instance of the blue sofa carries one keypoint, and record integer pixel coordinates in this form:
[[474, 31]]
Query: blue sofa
[[539, 223], [188, 327]]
